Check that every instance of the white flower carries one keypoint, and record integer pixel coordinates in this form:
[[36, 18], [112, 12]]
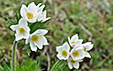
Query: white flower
[[29, 13], [32, 13], [63, 51], [37, 39], [22, 30], [73, 63], [77, 53], [74, 41], [87, 46]]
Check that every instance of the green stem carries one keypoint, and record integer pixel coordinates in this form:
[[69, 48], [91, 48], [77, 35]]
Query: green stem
[[14, 55], [56, 65]]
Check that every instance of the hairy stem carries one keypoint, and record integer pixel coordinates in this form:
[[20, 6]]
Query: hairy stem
[[14, 55]]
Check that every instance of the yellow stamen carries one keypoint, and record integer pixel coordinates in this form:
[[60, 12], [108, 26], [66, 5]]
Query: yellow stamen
[[35, 38], [75, 53], [29, 15], [72, 61], [64, 53], [84, 49], [73, 42], [21, 30]]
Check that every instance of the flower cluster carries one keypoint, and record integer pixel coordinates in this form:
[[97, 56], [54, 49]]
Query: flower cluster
[[77, 53], [31, 14]]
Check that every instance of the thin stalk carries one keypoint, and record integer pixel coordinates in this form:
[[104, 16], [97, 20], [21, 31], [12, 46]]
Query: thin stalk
[[54, 66], [14, 55]]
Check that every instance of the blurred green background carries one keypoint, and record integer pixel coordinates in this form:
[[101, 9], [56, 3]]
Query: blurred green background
[[92, 20]]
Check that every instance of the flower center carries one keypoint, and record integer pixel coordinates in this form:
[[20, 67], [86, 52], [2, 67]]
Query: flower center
[[64, 53], [73, 42], [75, 53], [35, 38], [72, 61], [21, 30], [84, 49], [29, 15]]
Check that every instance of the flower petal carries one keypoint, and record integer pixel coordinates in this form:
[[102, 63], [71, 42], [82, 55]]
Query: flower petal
[[40, 16], [59, 56], [40, 9], [79, 41], [14, 27], [59, 48], [31, 20], [46, 19], [23, 11], [39, 5], [74, 38], [88, 55], [33, 47], [44, 40], [89, 47], [39, 43], [79, 60], [26, 35], [76, 65], [70, 64], [27, 40], [18, 36], [66, 46], [32, 8], [40, 32], [23, 22]]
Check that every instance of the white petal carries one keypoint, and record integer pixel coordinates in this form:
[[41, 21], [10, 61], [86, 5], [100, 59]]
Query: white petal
[[44, 14], [26, 35], [44, 40], [87, 43], [40, 16], [39, 5], [14, 27], [89, 47], [66, 46], [79, 41], [33, 47], [46, 19], [27, 29], [23, 22], [18, 36], [81, 54], [59, 48], [39, 43], [32, 8], [79, 48], [79, 60], [40, 8], [76, 65], [23, 11], [70, 64], [88, 55], [27, 40], [74, 38], [40, 32], [31, 20], [59, 56]]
